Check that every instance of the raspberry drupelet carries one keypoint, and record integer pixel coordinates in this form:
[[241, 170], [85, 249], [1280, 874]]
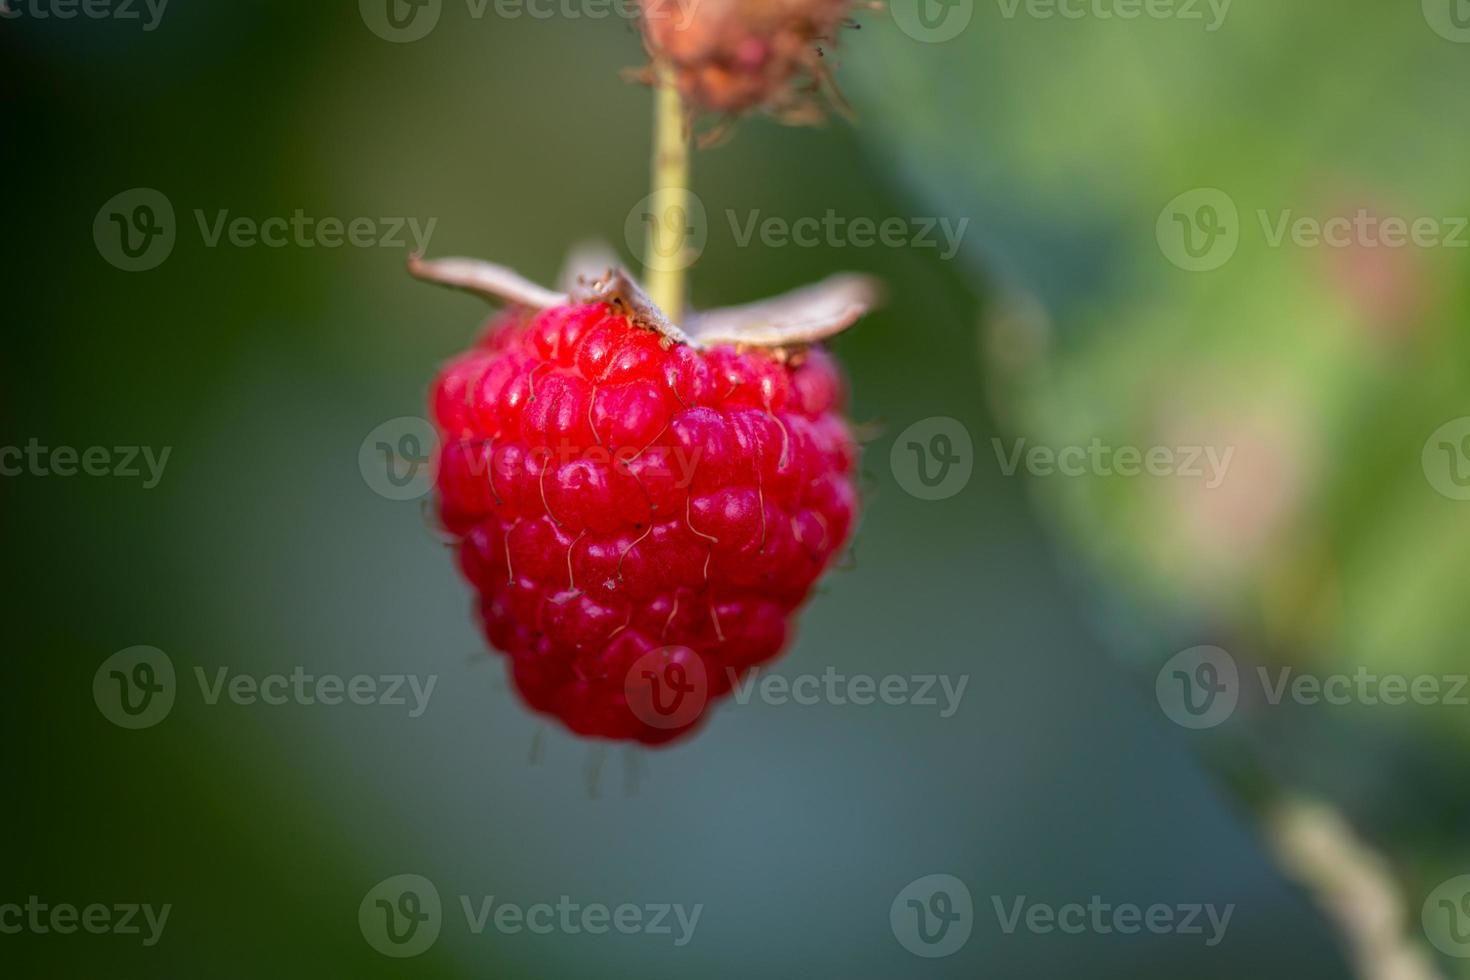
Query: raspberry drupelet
[[613, 494]]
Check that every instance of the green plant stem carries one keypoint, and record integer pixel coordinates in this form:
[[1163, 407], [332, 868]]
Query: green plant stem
[[669, 204]]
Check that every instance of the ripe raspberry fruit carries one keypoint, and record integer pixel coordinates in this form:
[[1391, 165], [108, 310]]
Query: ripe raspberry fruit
[[641, 514]]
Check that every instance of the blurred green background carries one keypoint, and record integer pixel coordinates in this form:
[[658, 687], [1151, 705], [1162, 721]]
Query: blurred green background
[[1064, 142]]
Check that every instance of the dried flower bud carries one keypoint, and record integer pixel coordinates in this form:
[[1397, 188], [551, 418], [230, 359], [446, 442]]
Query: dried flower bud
[[734, 56]]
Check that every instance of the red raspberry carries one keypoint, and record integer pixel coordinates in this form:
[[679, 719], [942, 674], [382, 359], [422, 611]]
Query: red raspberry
[[640, 518]]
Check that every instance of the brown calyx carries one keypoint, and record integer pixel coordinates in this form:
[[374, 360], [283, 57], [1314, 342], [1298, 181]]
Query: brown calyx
[[735, 56], [792, 320]]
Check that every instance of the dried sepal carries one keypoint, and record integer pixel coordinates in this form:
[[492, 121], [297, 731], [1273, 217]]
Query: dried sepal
[[584, 262], [484, 279], [795, 319], [617, 288], [802, 316]]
